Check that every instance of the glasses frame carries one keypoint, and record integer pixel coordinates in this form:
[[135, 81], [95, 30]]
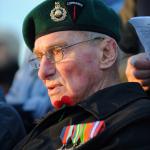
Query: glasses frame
[[62, 48]]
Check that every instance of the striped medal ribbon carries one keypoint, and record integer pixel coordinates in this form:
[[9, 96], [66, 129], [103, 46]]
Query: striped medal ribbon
[[81, 133], [66, 134]]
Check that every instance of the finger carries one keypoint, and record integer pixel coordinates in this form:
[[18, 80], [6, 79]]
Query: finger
[[145, 82], [140, 61], [142, 74]]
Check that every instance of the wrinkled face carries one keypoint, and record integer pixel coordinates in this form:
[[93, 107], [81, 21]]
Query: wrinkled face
[[77, 75]]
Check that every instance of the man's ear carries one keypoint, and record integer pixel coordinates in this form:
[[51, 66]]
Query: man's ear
[[109, 53]]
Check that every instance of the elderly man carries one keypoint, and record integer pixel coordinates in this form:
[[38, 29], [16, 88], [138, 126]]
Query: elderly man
[[75, 49]]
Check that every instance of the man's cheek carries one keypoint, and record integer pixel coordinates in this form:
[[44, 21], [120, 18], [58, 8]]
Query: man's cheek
[[70, 71], [68, 66]]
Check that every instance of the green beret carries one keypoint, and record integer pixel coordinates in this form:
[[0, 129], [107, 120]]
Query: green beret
[[77, 15]]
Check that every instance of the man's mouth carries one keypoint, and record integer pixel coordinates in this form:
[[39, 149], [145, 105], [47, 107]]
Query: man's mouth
[[54, 89]]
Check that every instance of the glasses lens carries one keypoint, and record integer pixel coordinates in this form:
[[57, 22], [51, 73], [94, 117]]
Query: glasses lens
[[55, 54], [34, 62]]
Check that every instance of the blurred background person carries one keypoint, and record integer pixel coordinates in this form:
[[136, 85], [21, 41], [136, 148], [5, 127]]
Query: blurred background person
[[130, 43], [134, 67], [19, 87], [22, 88], [9, 50], [11, 126], [135, 64]]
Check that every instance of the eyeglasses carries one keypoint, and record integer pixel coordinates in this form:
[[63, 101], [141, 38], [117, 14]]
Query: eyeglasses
[[55, 54]]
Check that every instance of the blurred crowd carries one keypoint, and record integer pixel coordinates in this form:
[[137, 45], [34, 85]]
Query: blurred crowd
[[23, 97], [21, 91]]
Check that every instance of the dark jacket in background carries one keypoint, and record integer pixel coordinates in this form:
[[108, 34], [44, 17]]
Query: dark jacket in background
[[143, 8], [11, 126]]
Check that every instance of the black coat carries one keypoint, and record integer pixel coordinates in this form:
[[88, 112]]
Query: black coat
[[125, 108], [11, 126]]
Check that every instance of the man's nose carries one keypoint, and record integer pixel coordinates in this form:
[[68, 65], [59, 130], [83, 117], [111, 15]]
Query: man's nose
[[47, 69]]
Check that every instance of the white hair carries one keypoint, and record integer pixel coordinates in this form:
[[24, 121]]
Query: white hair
[[92, 35]]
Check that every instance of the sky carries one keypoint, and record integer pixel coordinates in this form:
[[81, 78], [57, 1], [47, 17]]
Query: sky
[[12, 14]]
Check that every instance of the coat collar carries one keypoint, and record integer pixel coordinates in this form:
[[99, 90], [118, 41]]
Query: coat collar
[[107, 101], [102, 104]]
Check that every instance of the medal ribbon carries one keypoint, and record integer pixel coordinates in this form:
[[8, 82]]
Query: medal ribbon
[[83, 132]]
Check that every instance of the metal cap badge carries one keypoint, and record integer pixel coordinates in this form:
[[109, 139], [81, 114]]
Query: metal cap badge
[[58, 13]]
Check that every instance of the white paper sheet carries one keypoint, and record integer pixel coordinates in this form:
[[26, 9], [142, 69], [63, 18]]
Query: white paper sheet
[[142, 27]]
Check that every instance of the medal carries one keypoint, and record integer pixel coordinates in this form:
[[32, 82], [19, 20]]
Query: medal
[[58, 13]]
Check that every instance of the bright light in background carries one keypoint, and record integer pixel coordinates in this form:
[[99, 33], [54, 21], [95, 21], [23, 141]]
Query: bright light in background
[[12, 14]]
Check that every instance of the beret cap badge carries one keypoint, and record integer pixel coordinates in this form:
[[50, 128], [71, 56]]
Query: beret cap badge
[[58, 13]]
